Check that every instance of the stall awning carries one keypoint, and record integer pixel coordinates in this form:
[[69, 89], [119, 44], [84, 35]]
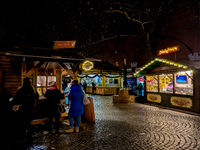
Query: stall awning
[[159, 65]]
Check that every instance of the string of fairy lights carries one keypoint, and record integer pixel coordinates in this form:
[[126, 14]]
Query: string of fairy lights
[[160, 60]]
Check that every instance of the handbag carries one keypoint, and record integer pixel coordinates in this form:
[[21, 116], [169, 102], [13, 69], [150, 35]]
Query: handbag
[[61, 108], [85, 99], [17, 107]]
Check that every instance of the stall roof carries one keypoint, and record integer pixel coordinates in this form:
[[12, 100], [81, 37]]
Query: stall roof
[[159, 65], [106, 66], [50, 62]]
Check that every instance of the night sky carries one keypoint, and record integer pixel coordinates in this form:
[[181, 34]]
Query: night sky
[[39, 23]]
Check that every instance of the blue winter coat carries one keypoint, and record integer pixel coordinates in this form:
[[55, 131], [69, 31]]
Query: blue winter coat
[[76, 97]]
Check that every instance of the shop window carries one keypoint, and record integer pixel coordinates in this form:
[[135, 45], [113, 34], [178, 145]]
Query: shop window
[[166, 83], [44, 79], [111, 82], [184, 83], [152, 83], [41, 80], [50, 79], [97, 80]]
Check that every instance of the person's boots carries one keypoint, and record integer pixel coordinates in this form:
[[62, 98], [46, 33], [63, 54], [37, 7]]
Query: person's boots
[[70, 130], [77, 129]]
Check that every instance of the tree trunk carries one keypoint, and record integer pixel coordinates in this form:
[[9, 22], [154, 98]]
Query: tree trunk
[[151, 47]]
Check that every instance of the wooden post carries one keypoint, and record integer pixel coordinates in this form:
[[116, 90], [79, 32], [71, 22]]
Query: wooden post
[[1, 83], [119, 81], [23, 70], [59, 79]]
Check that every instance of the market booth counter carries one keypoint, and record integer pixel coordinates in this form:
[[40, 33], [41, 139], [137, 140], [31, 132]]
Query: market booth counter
[[106, 77], [173, 84]]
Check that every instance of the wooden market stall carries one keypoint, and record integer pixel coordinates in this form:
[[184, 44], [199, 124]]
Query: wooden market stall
[[107, 78], [173, 84], [41, 70]]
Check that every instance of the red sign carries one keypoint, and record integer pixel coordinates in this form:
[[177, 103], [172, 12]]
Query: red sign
[[140, 79], [64, 44]]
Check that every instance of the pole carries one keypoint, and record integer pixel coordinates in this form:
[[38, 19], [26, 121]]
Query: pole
[[125, 73]]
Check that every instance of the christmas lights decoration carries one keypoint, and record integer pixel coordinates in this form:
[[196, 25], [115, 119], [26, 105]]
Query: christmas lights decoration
[[160, 60]]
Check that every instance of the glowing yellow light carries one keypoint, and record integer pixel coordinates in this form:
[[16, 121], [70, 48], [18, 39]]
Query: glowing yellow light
[[175, 64], [184, 66], [87, 65], [168, 50], [180, 65]]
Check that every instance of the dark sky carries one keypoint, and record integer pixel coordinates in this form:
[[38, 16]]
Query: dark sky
[[40, 22]]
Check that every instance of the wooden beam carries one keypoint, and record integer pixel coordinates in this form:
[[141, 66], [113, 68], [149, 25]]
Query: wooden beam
[[1, 84], [47, 65], [66, 69], [35, 68]]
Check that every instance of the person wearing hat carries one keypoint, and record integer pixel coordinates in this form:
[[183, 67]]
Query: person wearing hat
[[25, 98], [53, 96]]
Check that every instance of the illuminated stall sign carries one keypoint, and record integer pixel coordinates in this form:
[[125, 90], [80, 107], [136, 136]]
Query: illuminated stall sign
[[64, 44], [168, 50], [87, 65], [181, 101]]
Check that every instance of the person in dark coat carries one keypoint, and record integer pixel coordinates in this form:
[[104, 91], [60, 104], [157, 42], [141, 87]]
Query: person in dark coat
[[77, 108], [140, 88], [25, 96], [85, 86], [93, 87], [53, 96]]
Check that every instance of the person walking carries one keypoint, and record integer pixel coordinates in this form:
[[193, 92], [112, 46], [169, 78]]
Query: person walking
[[77, 108], [25, 98], [93, 87], [84, 85], [53, 96], [140, 88]]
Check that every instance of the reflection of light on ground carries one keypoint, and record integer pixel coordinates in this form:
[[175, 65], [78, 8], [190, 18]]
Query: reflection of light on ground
[[39, 147]]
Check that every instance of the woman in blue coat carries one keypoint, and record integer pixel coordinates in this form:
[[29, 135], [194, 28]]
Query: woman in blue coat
[[77, 108]]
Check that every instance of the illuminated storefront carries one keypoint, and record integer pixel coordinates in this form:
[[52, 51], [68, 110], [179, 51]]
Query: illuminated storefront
[[172, 83], [107, 78]]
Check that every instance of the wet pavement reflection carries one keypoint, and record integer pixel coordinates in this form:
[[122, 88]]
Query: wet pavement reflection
[[119, 127]]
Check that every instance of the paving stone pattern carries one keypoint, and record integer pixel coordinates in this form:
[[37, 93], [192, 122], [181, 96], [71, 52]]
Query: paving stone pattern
[[122, 126]]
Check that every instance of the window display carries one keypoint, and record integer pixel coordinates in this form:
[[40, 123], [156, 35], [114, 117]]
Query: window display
[[44, 80], [97, 80], [152, 83], [184, 83], [111, 82], [166, 83]]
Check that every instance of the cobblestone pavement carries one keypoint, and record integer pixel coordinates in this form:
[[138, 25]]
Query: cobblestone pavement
[[124, 126]]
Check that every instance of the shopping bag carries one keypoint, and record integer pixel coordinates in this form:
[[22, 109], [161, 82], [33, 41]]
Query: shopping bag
[[85, 100], [61, 108]]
